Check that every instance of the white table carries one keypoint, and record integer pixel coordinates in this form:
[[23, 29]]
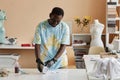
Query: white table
[[89, 63], [60, 74]]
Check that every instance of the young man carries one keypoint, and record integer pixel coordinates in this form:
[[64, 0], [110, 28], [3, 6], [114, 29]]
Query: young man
[[51, 38]]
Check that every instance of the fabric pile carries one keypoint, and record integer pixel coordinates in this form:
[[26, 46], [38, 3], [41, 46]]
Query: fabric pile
[[106, 68]]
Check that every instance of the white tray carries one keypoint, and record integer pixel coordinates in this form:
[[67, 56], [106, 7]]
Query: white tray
[[8, 61]]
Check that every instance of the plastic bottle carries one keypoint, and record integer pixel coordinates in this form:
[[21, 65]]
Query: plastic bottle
[[16, 68]]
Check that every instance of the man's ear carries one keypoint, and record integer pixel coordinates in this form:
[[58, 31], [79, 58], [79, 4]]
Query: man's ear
[[50, 15]]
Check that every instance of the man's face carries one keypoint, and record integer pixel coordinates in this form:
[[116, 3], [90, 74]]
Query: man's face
[[55, 19]]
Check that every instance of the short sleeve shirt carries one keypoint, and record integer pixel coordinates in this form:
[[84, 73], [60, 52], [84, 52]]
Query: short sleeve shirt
[[50, 38]]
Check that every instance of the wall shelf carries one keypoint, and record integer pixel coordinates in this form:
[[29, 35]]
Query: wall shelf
[[14, 47]]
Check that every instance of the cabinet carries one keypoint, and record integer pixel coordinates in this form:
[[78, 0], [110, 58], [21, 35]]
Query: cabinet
[[113, 25]]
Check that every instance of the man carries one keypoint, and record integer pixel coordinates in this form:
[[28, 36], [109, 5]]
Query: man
[[51, 38]]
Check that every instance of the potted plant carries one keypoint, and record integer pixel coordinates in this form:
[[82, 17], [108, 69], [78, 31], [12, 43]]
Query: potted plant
[[83, 23]]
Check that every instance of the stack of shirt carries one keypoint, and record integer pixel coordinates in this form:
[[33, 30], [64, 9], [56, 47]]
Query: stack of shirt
[[111, 17]]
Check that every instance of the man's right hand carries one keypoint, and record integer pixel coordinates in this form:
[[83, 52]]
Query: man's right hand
[[39, 64], [40, 67]]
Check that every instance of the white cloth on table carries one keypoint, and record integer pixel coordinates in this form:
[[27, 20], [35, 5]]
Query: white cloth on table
[[106, 68]]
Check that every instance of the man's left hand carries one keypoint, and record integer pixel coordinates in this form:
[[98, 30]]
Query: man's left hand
[[49, 63]]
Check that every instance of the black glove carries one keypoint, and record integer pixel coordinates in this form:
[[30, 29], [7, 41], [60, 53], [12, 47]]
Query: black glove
[[39, 64], [39, 67], [39, 61], [49, 63]]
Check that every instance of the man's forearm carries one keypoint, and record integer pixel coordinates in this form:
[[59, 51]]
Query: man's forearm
[[37, 51], [60, 51]]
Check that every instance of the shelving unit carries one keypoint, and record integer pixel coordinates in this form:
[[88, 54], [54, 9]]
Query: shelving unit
[[80, 43], [112, 24], [81, 49]]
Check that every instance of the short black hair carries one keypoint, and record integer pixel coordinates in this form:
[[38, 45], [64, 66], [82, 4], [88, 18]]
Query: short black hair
[[58, 11]]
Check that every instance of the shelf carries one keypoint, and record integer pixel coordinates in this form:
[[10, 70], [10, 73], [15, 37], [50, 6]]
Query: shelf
[[113, 6], [114, 19], [76, 34], [83, 44], [81, 47], [81, 34], [117, 32], [14, 47]]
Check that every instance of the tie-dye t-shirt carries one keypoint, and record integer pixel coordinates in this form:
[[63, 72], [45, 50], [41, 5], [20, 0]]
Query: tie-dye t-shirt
[[50, 38]]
